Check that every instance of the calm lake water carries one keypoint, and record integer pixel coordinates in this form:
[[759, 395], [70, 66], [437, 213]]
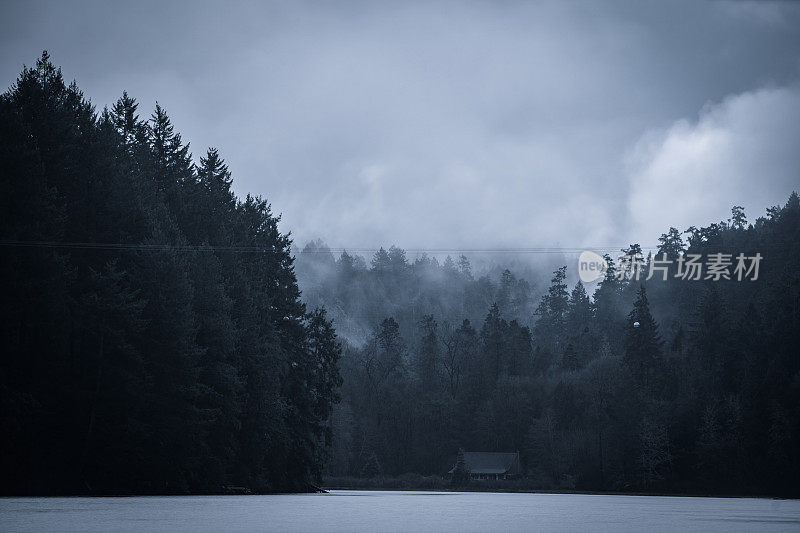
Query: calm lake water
[[345, 510]]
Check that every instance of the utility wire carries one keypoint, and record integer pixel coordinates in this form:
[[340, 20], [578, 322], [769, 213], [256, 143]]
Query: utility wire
[[263, 249]]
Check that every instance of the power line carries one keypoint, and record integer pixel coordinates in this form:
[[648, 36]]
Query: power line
[[264, 249], [135, 247]]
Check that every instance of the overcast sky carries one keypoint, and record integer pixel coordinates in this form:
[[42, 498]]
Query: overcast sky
[[456, 124]]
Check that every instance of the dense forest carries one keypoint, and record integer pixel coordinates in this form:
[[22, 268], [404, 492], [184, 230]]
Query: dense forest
[[358, 294], [153, 339], [703, 395]]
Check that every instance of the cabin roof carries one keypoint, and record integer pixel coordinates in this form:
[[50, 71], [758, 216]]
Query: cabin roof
[[490, 462]]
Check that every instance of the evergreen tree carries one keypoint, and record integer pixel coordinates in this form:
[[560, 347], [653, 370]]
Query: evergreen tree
[[579, 310], [643, 344], [464, 267], [214, 200], [460, 471], [126, 120], [671, 244], [493, 341], [381, 262], [552, 313], [608, 298], [428, 354], [738, 219], [504, 293]]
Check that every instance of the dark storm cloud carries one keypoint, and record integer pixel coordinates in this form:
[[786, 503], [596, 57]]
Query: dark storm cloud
[[457, 124]]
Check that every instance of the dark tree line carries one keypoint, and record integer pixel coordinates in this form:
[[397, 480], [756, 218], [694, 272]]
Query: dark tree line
[[702, 395], [154, 340], [164, 348]]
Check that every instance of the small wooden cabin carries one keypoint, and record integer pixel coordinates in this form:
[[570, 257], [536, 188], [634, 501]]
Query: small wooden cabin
[[491, 465]]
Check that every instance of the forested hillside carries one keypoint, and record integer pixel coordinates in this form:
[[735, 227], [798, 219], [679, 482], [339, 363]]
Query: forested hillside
[[153, 340], [702, 396]]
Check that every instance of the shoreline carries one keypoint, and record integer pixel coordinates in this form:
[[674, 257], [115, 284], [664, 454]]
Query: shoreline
[[327, 490], [561, 491]]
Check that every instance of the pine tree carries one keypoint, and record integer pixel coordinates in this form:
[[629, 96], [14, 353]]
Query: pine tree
[[397, 260], [427, 360], [391, 348], [125, 119], [170, 155], [643, 345], [214, 201], [504, 293], [579, 310], [671, 244], [580, 329], [608, 313], [460, 471], [709, 337], [738, 220], [464, 267], [550, 326], [381, 262], [493, 337], [518, 361], [449, 267]]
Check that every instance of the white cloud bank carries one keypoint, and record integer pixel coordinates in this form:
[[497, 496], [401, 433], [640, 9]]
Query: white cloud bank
[[454, 124], [738, 152]]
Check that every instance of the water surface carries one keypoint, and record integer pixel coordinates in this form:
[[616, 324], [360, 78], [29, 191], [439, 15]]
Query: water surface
[[346, 510]]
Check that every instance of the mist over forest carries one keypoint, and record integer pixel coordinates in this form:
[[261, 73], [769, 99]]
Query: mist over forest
[[359, 289], [700, 395], [163, 336]]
